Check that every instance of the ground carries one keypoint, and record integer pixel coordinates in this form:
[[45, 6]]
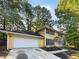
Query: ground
[[2, 57], [3, 53], [74, 55]]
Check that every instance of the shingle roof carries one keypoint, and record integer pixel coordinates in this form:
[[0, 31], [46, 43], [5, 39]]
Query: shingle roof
[[28, 32], [47, 27], [24, 32]]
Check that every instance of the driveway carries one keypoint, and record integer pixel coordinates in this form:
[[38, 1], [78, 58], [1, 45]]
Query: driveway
[[30, 53]]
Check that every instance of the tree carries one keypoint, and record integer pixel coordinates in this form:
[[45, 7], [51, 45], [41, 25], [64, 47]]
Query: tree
[[10, 15], [28, 14], [67, 12], [72, 37], [41, 18], [11, 19], [72, 5]]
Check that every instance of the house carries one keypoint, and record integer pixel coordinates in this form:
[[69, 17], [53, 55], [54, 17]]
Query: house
[[44, 37]]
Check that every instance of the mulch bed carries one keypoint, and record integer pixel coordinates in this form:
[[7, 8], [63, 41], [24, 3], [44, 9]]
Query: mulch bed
[[51, 48]]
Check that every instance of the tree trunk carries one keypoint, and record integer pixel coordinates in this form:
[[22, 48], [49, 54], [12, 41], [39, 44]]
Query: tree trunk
[[4, 24]]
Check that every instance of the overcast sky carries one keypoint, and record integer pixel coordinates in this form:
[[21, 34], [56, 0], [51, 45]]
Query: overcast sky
[[49, 4]]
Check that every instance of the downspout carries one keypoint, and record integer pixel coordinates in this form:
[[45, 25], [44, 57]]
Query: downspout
[[45, 37]]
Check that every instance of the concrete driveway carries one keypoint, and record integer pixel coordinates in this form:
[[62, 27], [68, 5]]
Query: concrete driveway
[[30, 53]]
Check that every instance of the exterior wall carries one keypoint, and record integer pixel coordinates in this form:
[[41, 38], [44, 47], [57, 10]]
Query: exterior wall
[[41, 42], [10, 39], [54, 38], [42, 32], [49, 36], [56, 34]]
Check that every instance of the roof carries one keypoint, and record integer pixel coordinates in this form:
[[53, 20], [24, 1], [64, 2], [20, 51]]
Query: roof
[[22, 32], [47, 27]]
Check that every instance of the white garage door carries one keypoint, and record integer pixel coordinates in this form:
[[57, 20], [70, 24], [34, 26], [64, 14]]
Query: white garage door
[[19, 43]]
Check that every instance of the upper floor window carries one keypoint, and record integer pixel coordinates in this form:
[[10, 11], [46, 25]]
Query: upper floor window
[[49, 42]]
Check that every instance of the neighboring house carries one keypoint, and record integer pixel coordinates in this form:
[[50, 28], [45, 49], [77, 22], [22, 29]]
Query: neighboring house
[[44, 37]]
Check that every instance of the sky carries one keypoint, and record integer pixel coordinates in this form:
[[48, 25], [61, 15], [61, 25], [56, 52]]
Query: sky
[[49, 4]]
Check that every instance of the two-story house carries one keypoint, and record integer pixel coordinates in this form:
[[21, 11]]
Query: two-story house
[[44, 37]]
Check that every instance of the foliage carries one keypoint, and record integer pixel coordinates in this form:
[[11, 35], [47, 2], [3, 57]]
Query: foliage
[[72, 37], [10, 18], [67, 12], [9, 14], [72, 5], [41, 18], [29, 14]]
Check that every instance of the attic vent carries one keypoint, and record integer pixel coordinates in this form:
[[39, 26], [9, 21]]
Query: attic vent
[[22, 55]]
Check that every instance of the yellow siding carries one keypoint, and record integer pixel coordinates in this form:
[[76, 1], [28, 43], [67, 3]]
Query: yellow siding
[[9, 41], [56, 34], [42, 33], [49, 36], [41, 42]]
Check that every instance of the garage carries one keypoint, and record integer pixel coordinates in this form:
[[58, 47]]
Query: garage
[[24, 41]]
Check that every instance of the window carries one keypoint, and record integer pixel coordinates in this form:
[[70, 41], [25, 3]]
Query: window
[[49, 42], [60, 42]]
